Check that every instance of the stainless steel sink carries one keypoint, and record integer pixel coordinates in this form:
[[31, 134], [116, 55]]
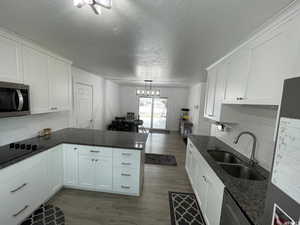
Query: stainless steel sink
[[243, 172], [224, 157]]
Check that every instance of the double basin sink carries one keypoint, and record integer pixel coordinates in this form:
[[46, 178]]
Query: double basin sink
[[235, 166]]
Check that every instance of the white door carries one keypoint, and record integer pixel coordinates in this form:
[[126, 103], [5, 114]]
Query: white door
[[84, 105], [103, 173], [86, 173], [10, 61], [35, 66], [59, 84]]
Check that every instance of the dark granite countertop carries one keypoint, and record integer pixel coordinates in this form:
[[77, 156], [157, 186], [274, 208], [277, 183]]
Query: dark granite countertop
[[114, 139], [250, 195]]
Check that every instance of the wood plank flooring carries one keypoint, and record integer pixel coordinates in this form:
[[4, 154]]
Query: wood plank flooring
[[152, 208]]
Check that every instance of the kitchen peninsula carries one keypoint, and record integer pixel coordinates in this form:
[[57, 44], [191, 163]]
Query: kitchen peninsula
[[33, 170]]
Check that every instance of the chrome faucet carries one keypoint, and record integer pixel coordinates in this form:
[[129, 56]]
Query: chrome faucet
[[252, 158]]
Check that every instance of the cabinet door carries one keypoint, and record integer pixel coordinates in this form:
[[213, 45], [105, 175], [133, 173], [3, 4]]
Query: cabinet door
[[70, 165], [10, 61], [210, 92], [59, 85], [200, 185], [35, 66], [214, 201], [103, 173], [273, 57], [237, 74], [86, 174], [188, 159], [55, 170]]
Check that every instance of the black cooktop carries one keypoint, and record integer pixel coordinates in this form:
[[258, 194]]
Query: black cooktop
[[16, 150]]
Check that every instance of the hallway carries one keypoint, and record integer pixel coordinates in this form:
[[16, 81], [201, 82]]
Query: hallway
[[152, 208]]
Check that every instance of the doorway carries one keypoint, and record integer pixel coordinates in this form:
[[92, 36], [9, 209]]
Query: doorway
[[153, 111], [84, 105]]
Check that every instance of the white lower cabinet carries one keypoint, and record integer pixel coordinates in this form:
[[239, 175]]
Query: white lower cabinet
[[207, 186], [26, 185], [54, 169], [23, 187]]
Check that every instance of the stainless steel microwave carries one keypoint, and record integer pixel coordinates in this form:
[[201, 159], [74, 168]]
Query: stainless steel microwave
[[14, 99]]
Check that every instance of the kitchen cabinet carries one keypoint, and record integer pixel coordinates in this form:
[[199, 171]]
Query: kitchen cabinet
[[70, 161], [35, 67], [59, 85], [237, 75], [86, 171], [23, 188], [273, 59], [207, 186], [214, 109], [10, 70], [95, 172], [211, 92], [55, 169], [49, 80]]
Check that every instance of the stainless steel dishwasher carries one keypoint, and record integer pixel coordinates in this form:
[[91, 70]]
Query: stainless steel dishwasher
[[231, 213]]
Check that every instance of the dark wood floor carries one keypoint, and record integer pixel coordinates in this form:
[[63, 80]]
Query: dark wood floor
[[152, 208]]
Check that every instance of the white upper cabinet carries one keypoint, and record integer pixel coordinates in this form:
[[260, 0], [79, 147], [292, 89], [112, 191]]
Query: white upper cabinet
[[35, 66], [237, 74], [59, 84], [210, 92], [273, 59], [49, 80], [10, 70], [256, 70]]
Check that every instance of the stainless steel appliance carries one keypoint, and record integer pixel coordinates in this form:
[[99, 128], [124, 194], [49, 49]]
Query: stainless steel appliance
[[284, 186], [14, 99], [231, 213]]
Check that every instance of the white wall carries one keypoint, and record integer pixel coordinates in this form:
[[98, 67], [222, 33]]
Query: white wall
[[112, 101], [19, 128], [98, 84], [196, 104], [177, 99], [259, 120]]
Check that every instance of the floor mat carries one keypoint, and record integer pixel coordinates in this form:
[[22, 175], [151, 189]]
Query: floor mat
[[184, 209], [46, 215], [159, 159]]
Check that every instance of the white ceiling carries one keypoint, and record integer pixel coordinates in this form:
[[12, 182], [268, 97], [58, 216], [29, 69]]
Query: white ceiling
[[169, 41]]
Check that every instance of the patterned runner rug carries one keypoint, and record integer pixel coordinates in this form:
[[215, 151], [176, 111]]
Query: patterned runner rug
[[184, 209]]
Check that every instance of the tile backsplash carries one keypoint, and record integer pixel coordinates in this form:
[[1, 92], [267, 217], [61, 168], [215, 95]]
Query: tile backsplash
[[259, 120], [19, 128]]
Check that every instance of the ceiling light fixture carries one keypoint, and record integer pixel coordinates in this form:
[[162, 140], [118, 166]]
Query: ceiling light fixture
[[148, 91], [96, 5]]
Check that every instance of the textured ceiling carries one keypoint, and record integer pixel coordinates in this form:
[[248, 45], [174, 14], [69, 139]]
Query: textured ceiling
[[169, 41]]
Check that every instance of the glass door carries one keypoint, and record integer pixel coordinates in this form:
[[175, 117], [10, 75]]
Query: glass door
[[145, 111], [159, 118], [153, 111]]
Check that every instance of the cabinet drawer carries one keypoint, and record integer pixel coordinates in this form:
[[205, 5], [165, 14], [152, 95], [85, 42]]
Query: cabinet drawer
[[126, 188], [127, 158], [94, 151], [125, 175]]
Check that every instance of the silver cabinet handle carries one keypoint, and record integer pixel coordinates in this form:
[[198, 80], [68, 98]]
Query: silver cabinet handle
[[96, 160], [53, 108], [126, 164], [210, 115], [92, 160], [93, 151], [18, 188], [75, 148], [126, 154], [22, 210], [125, 174], [125, 187], [204, 178]]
